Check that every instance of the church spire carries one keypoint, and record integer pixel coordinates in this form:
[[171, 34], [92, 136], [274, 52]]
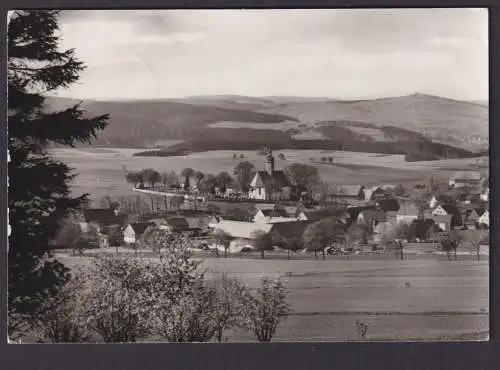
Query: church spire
[[270, 161]]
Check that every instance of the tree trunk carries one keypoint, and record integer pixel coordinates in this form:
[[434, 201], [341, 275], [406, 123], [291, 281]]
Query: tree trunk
[[152, 205], [262, 253], [315, 254], [225, 252], [448, 255], [288, 254], [477, 252], [401, 253], [324, 256], [455, 252]]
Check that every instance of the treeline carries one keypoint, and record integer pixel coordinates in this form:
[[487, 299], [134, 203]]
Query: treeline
[[413, 150]]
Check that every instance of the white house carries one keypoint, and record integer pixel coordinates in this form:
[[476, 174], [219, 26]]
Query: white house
[[270, 184], [484, 219], [133, 231], [485, 195]]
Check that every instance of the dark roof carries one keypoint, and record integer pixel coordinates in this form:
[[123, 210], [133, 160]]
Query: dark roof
[[290, 229], [102, 216], [319, 214], [277, 212], [179, 223], [140, 227], [388, 204], [278, 178], [450, 209]]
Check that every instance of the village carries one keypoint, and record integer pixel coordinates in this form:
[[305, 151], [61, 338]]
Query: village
[[291, 210]]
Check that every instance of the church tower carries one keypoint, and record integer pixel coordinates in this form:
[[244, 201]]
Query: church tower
[[270, 162]]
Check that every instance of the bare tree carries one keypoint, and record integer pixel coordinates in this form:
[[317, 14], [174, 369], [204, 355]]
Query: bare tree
[[266, 308], [220, 237], [261, 241]]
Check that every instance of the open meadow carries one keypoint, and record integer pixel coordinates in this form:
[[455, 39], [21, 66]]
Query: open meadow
[[417, 299], [101, 170]]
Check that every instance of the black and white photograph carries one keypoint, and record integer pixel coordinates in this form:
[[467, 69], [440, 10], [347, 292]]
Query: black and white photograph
[[259, 175]]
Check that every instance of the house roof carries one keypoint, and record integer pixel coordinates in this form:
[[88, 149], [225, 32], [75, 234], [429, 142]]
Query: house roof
[[264, 178], [442, 198], [291, 211], [350, 190], [177, 223], [140, 227], [102, 216], [450, 209], [290, 229], [274, 220], [467, 176], [480, 211], [242, 229], [408, 209], [319, 214], [277, 212], [373, 215], [262, 206], [388, 204]]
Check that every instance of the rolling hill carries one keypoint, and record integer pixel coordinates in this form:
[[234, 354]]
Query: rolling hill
[[444, 127]]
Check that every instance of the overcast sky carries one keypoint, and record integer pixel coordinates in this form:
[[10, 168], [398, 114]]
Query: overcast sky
[[351, 53]]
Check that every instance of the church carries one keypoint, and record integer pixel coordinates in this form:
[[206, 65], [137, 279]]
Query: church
[[270, 184]]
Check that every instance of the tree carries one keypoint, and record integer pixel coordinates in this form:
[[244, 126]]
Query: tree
[[150, 176], [39, 196], [266, 308], [303, 175], [321, 234], [399, 190], [395, 235], [359, 232], [198, 176], [222, 238], [68, 232], [134, 178], [235, 213], [229, 304], [87, 239], [208, 184], [223, 180], [115, 237], [281, 156], [261, 242], [187, 172], [450, 242], [244, 172], [187, 184], [176, 201], [62, 318], [289, 244]]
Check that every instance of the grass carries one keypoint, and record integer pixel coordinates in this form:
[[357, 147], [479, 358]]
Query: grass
[[101, 171], [445, 300]]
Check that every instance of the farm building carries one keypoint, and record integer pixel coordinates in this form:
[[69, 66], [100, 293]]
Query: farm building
[[371, 217], [465, 178], [443, 222], [448, 209], [270, 184], [266, 215], [103, 218], [133, 231], [241, 232]]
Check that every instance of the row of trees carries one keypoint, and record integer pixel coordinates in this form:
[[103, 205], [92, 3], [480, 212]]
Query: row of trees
[[304, 176], [124, 299]]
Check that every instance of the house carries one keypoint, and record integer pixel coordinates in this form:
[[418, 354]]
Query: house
[[270, 184], [485, 194], [372, 217], [103, 218], [407, 212], [390, 206], [443, 222], [464, 179], [373, 193], [440, 199], [472, 216], [175, 224], [351, 191], [448, 209], [484, 219], [265, 215], [319, 214], [241, 232], [133, 231]]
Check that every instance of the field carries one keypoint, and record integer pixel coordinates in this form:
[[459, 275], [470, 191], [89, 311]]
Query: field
[[445, 299], [101, 170]]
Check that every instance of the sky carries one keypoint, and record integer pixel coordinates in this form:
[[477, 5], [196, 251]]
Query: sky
[[335, 53]]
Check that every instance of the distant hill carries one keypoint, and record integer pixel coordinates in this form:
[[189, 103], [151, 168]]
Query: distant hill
[[380, 125]]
